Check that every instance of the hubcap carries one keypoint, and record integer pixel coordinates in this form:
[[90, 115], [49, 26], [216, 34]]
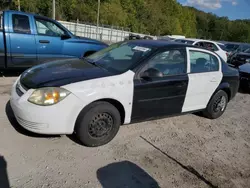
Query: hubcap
[[100, 125], [219, 104]]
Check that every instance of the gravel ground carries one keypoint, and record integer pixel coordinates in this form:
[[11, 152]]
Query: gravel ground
[[185, 151]]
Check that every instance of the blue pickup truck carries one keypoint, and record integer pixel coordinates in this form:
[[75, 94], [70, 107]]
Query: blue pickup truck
[[28, 39]]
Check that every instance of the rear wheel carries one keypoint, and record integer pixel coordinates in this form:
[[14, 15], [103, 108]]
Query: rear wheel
[[98, 124], [217, 105]]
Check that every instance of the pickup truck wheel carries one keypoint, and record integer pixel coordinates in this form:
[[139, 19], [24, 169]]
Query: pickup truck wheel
[[98, 124], [217, 105]]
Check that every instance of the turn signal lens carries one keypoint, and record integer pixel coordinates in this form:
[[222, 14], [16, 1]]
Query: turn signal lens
[[48, 96]]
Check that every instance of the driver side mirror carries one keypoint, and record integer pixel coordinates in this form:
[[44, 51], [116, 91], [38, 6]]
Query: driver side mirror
[[65, 36], [151, 73]]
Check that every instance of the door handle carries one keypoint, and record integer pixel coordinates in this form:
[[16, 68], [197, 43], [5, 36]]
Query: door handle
[[44, 41]]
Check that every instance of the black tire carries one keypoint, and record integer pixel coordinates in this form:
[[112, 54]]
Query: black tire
[[98, 117], [213, 111], [244, 87]]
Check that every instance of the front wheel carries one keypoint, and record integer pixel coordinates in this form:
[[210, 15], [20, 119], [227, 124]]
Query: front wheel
[[217, 105], [98, 124]]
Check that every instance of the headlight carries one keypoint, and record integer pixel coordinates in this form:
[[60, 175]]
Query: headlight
[[247, 60], [48, 96]]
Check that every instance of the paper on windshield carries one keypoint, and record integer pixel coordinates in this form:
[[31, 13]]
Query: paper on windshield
[[139, 48]]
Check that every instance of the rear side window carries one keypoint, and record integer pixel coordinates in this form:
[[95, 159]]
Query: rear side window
[[211, 46], [201, 62], [21, 24]]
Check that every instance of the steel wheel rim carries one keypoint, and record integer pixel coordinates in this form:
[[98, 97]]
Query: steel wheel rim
[[100, 125], [219, 104]]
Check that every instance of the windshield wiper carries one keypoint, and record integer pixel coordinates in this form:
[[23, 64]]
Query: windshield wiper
[[93, 63]]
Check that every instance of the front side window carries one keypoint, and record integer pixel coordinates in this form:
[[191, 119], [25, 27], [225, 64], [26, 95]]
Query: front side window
[[119, 57], [168, 63], [201, 62], [45, 27], [21, 24]]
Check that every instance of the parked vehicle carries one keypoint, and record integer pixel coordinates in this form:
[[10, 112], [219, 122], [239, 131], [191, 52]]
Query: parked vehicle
[[245, 76], [137, 37], [127, 82], [231, 47], [207, 44], [239, 56], [28, 39]]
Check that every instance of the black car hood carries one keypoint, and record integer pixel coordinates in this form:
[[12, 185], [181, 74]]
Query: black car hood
[[61, 72]]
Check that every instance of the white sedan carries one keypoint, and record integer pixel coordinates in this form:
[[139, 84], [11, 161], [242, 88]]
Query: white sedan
[[208, 44], [124, 83]]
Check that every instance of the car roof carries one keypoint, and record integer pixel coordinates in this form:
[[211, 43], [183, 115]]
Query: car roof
[[204, 40], [28, 14], [160, 43]]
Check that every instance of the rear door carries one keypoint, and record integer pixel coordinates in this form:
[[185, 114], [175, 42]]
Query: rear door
[[163, 95], [204, 74], [21, 41]]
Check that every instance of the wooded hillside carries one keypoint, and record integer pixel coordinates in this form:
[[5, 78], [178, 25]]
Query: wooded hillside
[[158, 17]]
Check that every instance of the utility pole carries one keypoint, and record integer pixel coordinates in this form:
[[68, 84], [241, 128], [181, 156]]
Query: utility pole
[[54, 9], [98, 17], [19, 6]]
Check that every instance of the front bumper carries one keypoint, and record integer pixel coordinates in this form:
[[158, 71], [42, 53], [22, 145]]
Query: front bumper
[[56, 119]]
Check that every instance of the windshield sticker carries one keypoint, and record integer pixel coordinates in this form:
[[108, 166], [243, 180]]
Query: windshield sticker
[[139, 48]]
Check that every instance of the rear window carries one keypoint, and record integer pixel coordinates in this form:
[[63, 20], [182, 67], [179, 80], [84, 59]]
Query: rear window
[[21, 24]]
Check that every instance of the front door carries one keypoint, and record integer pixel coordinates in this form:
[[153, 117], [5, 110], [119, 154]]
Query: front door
[[204, 75], [48, 39], [160, 96]]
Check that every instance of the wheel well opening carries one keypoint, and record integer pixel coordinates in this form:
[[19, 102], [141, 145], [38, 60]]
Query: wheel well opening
[[228, 92], [86, 54], [118, 105]]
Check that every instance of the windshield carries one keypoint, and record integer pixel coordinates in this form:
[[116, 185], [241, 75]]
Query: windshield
[[247, 50], [119, 57], [222, 46], [245, 47], [231, 47]]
